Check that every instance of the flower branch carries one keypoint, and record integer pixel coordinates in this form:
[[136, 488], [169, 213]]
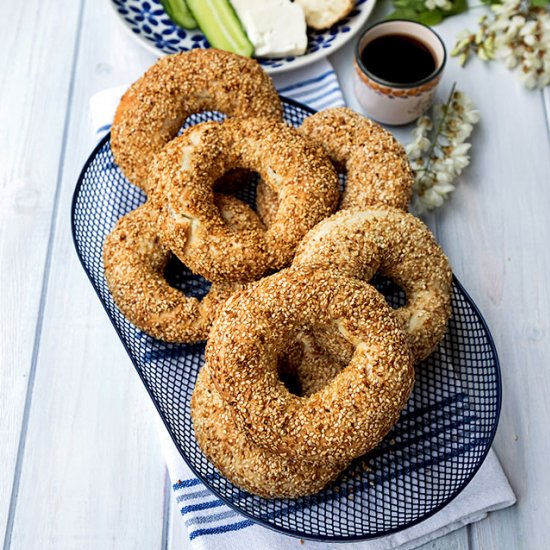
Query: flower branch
[[439, 150]]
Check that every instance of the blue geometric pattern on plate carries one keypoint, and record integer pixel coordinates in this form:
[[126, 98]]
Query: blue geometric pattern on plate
[[148, 20], [430, 455]]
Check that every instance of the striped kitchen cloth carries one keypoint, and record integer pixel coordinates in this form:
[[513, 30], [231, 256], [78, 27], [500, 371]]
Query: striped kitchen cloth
[[207, 522]]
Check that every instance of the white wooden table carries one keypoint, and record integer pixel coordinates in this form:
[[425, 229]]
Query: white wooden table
[[80, 465]]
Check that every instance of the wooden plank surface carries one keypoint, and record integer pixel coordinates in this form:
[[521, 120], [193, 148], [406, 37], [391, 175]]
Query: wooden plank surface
[[90, 473], [34, 90], [457, 540]]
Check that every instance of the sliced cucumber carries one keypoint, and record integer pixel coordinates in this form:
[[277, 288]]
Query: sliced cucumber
[[221, 26], [179, 13]]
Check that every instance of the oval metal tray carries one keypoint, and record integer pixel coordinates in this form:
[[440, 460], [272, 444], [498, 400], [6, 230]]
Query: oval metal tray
[[430, 455]]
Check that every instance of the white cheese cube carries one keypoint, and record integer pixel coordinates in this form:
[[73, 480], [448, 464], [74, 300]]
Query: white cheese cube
[[276, 28]]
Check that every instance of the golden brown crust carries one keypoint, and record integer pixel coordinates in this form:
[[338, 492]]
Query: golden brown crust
[[378, 170], [249, 466], [155, 107], [184, 173], [135, 260], [361, 243], [344, 419]]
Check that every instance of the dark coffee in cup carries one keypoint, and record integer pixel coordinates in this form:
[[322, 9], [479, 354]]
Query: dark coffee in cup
[[398, 59]]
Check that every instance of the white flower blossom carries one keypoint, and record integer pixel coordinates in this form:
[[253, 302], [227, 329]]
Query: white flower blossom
[[424, 123], [439, 151], [528, 78], [418, 146], [532, 60], [419, 133], [443, 178], [458, 130], [459, 162], [445, 5], [442, 165], [508, 56], [518, 34], [461, 149], [432, 199]]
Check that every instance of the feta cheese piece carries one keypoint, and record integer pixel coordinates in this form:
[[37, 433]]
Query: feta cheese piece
[[276, 28]]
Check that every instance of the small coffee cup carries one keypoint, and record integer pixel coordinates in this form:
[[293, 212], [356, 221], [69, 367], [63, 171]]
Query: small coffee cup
[[398, 65]]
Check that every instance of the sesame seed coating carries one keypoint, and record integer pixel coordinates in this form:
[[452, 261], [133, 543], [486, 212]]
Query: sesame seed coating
[[190, 225], [350, 415], [135, 260], [249, 466], [378, 170], [361, 243], [155, 107]]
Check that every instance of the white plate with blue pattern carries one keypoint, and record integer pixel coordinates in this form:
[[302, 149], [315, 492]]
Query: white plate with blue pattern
[[150, 25]]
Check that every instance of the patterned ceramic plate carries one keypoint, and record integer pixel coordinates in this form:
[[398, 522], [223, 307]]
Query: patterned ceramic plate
[[148, 22]]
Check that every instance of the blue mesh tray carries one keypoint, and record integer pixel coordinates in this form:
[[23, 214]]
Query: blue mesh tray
[[427, 459]]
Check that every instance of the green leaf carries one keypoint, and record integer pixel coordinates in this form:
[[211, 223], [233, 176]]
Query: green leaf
[[415, 10], [430, 17], [404, 13], [417, 5], [401, 3], [459, 6], [540, 3]]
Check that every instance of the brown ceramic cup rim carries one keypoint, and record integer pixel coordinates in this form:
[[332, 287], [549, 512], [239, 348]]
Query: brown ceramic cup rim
[[438, 70]]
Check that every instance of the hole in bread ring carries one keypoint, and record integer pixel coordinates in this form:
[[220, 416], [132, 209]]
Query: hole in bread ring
[[347, 417], [189, 223], [154, 108], [394, 244], [135, 263], [305, 366], [377, 167]]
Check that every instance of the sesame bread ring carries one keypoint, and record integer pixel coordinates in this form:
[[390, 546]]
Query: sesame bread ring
[[155, 107], [252, 468], [346, 418], [190, 224], [135, 261], [377, 167], [396, 245]]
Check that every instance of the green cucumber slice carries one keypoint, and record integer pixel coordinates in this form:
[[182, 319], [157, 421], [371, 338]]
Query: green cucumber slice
[[179, 13], [221, 26]]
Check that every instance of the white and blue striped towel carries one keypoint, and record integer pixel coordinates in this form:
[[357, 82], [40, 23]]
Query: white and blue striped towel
[[211, 525]]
